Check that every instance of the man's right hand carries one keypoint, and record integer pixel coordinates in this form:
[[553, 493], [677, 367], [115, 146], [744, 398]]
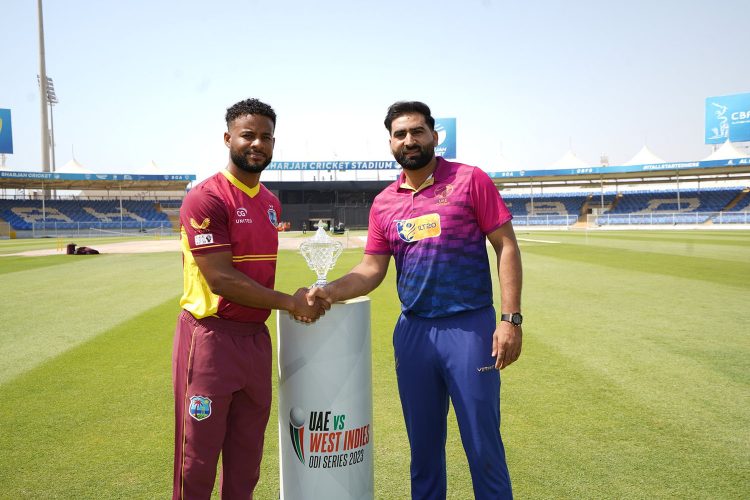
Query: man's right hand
[[320, 294], [306, 310]]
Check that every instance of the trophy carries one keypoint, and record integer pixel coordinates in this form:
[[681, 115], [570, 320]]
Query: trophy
[[320, 253]]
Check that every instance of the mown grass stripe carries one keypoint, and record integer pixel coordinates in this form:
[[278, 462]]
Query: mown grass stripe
[[95, 421], [632, 383], [717, 271], [47, 310]]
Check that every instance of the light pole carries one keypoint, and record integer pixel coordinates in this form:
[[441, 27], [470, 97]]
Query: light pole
[[51, 100], [43, 93]]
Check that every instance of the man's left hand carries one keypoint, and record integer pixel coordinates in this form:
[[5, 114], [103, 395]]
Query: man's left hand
[[506, 344]]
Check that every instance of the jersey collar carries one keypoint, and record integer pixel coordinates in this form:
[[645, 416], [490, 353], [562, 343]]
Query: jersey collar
[[429, 181], [250, 191]]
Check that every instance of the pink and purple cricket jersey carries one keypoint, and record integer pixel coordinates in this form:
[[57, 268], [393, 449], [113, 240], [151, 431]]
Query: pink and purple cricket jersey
[[436, 235]]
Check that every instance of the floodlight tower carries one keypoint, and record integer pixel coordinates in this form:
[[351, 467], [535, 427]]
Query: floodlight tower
[[52, 100], [44, 90]]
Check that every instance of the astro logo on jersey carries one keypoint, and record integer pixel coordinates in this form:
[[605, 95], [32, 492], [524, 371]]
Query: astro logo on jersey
[[200, 407], [297, 432], [418, 228]]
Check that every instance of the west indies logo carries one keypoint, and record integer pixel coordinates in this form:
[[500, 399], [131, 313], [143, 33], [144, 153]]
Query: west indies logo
[[272, 215], [200, 407], [330, 444]]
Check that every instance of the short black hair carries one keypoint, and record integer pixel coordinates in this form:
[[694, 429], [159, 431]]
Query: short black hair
[[404, 107], [250, 107]]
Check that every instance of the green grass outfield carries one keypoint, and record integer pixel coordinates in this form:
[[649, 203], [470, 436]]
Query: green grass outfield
[[634, 380]]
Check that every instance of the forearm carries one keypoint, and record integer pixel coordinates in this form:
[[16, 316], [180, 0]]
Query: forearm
[[510, 277], [238, 288], [361, 280]]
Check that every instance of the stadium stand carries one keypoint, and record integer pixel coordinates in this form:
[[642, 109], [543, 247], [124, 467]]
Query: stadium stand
[[547, 210], [666, 207], [25, 215], [737, 212], [710, 205]]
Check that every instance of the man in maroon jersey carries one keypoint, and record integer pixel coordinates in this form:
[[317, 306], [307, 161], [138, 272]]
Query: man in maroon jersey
[[221, 363]]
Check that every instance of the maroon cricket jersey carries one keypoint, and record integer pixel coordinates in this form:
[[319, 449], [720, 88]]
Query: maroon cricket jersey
[[221, 214]]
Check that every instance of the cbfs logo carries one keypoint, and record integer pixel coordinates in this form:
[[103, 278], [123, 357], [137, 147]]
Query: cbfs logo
[[297, 432]]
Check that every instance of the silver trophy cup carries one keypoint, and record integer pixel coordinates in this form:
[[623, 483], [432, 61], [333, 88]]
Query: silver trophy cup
[[320, 253]]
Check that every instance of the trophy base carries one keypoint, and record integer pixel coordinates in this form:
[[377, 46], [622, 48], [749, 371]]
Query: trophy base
[[320, 283]]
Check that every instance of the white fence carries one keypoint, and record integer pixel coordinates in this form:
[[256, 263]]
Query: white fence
[[95, 229], [676, 218]]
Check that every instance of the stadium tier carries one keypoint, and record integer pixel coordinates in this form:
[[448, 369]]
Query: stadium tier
[[716, 205], [669, 207], [24, 215], [705, 206], [546, 210]]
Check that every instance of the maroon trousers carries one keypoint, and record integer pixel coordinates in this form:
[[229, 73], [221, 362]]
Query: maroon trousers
[[221, 372]]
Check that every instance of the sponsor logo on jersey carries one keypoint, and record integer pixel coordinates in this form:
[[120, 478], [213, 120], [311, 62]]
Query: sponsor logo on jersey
[[418, 228], [200, 227], [272, 216], [242, 217], [200, 407], [442, 194], [204, 239]]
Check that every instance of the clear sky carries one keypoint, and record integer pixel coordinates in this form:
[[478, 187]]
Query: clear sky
[[141, 81]]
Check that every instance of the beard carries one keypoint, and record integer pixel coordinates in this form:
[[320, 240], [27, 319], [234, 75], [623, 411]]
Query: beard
[[426, 154], [243, 164]]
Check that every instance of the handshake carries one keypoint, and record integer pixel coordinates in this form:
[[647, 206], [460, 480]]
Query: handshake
[[310, 304]]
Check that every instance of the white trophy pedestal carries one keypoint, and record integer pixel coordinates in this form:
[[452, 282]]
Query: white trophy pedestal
[[325, 405]]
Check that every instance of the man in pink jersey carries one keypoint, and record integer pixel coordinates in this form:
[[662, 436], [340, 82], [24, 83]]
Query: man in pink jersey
[[435, 221], [221, 362]]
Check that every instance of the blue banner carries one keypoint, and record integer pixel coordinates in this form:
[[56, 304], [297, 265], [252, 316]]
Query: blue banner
[[620, 169], [333, 165], [94, 177], [6, 132], [728, 117], [446, 131]]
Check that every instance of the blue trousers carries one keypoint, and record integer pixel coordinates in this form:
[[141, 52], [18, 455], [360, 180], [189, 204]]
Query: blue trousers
[[442, 359]]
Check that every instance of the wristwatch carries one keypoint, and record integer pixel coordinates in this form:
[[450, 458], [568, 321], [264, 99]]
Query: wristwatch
[[514, 319]]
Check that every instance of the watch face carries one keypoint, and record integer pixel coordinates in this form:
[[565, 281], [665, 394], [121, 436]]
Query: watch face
[[516, 319]]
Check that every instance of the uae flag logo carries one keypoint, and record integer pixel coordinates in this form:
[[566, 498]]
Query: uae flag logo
[[297, 432]]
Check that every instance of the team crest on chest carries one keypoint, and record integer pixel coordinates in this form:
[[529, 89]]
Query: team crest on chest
[[200, 407], [442, 194], [272, 216]]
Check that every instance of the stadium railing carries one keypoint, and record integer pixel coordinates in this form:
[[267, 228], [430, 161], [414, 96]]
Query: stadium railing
[[94, 229], [544, 220], [670, 218]]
